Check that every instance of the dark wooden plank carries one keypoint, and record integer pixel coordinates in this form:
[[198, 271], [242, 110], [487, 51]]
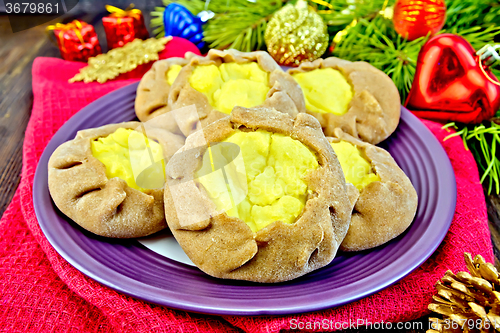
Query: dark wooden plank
[[17, 52]]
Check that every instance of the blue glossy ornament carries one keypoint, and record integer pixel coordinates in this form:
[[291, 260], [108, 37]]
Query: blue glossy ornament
[[179, 22]]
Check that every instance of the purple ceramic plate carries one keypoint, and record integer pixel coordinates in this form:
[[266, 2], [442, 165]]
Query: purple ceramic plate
[[129, 267]]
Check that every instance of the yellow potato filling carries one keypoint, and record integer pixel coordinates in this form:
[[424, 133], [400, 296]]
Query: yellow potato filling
[[131, 156], [357, 170], [326, 90], [258, 177], [172, 73], [231, 85]]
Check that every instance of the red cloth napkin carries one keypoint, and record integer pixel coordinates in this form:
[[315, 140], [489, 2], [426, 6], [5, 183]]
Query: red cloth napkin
[[40, 291]]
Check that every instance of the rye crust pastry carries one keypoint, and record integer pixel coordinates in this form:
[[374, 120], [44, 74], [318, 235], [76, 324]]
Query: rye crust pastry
[[383, 209], [108, 207], [152, 92], [374, 111], [226, 247], [284, 95]]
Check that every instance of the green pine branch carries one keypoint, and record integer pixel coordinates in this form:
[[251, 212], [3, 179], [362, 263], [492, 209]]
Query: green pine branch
[[376, 42], [464, 14], [341, 13], [241, 29], [483, 141], [241, 24], [238, 24]]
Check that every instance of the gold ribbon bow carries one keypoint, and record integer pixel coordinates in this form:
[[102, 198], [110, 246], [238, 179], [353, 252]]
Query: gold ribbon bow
[[120, 13], [75, 25]]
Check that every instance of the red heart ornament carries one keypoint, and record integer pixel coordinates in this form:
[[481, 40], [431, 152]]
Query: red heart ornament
[[450, 85]]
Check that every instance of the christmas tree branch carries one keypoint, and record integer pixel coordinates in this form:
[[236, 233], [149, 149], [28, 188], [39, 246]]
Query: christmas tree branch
[[376, 42], [247, 27], [464, 14], [340, 13], [237, 24], [482, 141], [477, 36], [241, 24]]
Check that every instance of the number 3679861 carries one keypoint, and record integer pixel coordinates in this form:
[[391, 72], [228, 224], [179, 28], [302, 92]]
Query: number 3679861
[[31, 8]]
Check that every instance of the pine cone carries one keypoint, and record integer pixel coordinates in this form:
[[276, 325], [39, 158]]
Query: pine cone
[[469, 302]]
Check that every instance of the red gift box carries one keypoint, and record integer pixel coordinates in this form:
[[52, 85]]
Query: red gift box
[[123, 26], [77, 40]]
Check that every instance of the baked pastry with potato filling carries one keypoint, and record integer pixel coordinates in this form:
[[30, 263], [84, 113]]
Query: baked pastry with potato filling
[[110, 179], [385, 201], [152, 91], [258, 196], [353, 96], [221, 80]]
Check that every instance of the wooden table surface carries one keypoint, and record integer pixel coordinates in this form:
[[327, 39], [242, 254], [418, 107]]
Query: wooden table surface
[[17, 52]]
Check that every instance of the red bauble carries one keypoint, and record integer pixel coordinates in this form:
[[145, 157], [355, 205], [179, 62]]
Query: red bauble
[[417, 18], [449, 84]]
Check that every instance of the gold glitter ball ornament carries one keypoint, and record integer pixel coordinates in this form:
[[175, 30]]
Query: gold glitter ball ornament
[[296, 34], [121, 60]]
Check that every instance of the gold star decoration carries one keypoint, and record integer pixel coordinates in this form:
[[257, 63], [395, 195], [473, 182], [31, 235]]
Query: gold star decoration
[[121, 60]]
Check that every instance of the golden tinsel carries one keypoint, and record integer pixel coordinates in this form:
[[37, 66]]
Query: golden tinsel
[[296, 34], [469, 302], [121, 60]]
